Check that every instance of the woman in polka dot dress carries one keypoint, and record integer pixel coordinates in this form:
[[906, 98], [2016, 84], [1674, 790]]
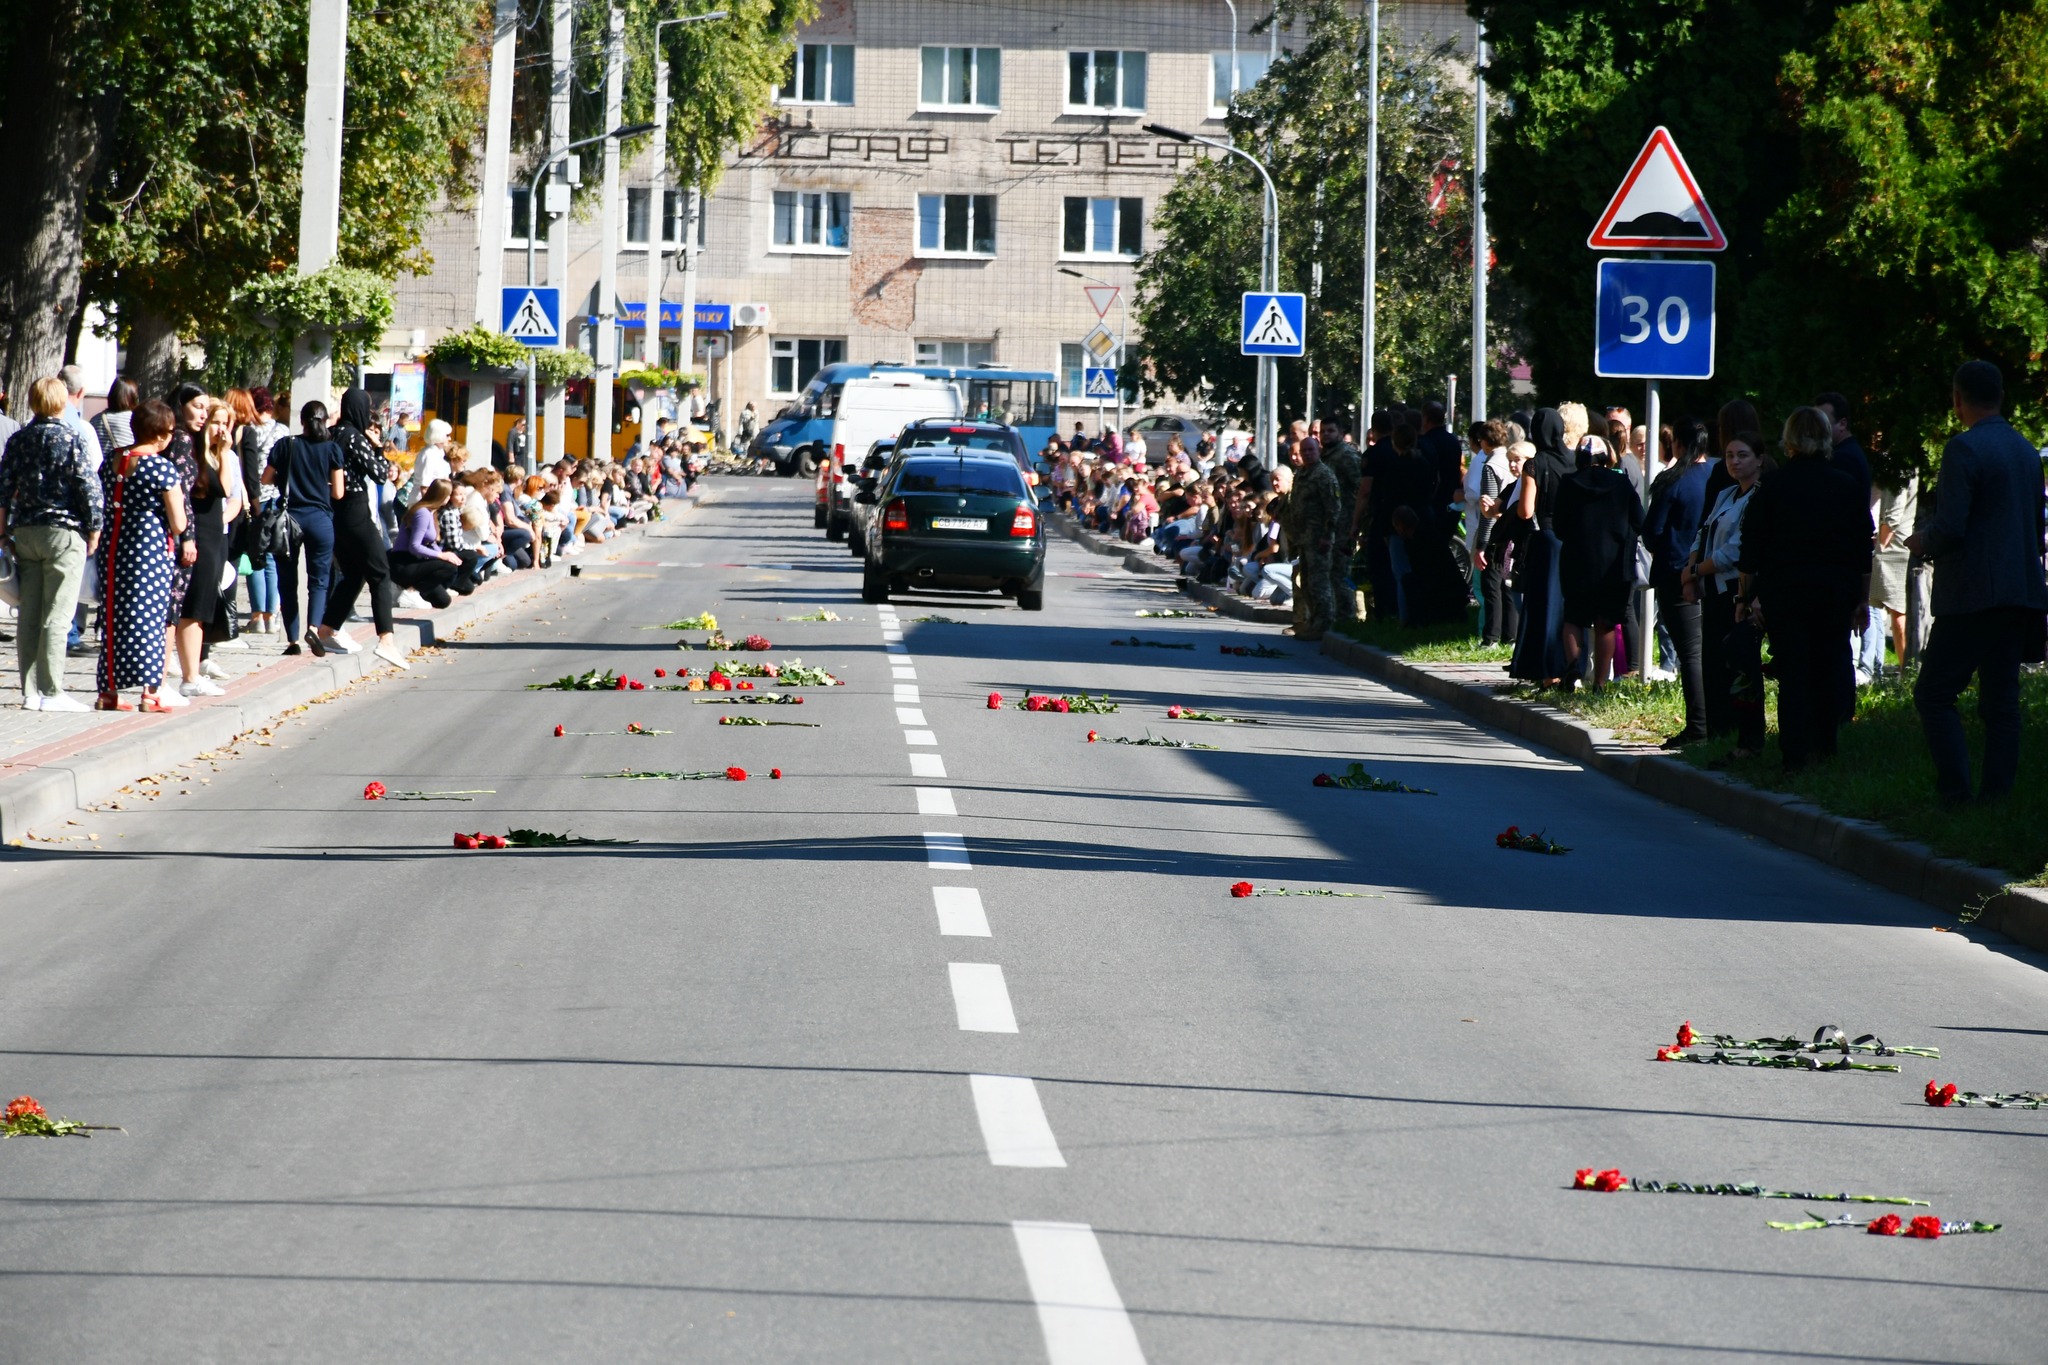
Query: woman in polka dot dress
[[145, 515]]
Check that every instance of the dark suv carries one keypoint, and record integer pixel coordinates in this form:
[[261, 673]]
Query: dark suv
[[952, 519]]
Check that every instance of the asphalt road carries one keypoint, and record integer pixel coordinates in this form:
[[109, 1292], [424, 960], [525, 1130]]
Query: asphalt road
[[790, 1079]]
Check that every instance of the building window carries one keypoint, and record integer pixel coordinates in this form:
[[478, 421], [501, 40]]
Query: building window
[[637, 200], [819, 73], [518, 216], [673, 203], [1104, 227], [812, 220], [793, 361], [961, 78], [956, 224], [1106, 82], [956, 354], [1073, 360], [1251, 66]]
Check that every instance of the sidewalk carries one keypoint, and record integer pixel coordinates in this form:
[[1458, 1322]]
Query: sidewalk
[[53, 763], [1974, 895]]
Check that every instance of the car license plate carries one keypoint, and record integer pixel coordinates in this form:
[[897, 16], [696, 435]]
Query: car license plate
[[959, 523]]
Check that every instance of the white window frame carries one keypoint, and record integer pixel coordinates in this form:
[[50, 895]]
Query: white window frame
[[513, 195], [984, 79], [810, 203], [1120, 205], [938, 345], [672, 219], [1091, 59], [974, 205], [837, 58], [790, 348], [1219, 77]]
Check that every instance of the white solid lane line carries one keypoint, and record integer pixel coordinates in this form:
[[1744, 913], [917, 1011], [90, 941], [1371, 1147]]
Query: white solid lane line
[[980, 999], [960, 912], [1079, 1310], [945, 850], [903, 671], [927, 765], [909, 715], [906, 692], [919, 737], [1013, 1122], [935, 801]]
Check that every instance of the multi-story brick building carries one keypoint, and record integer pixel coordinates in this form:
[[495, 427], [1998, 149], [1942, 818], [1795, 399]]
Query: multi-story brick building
[[919, 184]]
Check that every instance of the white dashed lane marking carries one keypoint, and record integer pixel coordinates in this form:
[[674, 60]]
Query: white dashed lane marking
[[927, 765], [980, 999], [903, 670], [945, 850], [1013, 1122], [909, 715], [935, 801], [960, 912], [906, 692], [919, 737], [1079, 1310]]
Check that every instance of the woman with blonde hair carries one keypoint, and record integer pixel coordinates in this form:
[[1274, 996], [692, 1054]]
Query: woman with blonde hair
[[418, 559], [50, 514], [217, 500], [1806, 564]]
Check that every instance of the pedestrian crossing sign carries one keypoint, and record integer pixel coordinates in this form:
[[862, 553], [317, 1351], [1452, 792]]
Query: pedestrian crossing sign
[[1273, 324], [1098, 383], [532, 315]]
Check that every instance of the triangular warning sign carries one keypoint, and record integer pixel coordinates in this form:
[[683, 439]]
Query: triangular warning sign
[[1273, 328], [530, 319], [1101, 296], [1659, 206]]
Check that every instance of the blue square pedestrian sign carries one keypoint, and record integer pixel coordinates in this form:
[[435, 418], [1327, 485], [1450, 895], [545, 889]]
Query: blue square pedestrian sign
[[532, 314], [1098, 383], [1273, 324], [1654, 320]]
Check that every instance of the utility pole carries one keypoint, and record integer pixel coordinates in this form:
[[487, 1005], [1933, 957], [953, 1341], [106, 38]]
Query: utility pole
[[650, 351], [320, 184], [558, 226], [1315, 300], [1481, 249], [490, 218], [1368, 348], [605, 312]]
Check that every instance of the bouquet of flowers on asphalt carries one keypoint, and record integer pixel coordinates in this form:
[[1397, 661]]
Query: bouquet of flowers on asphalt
[[596, 680], [1512, 837], [1190, 713], [1357, 779], [703, 620], [23, 1117]]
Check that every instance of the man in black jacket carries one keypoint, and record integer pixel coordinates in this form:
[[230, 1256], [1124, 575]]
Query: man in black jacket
[[1806, 566], [1989, 594]]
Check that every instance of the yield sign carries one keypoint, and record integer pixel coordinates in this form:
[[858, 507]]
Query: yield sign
[[1659, 206], [1101, 296]]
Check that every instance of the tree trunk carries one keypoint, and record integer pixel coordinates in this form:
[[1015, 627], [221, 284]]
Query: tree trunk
[[47, 161], [156, 355]]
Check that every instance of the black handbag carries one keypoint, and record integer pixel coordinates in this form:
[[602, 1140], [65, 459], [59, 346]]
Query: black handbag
[[223, 626]]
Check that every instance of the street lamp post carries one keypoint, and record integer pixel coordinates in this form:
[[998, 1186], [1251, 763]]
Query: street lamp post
[[1368, 350], [1267, 402], [1123, 321], [533, 227], [650, 338]]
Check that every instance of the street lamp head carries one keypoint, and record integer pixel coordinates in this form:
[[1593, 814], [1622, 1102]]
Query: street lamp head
[[1161, 130], [1075, 273], [632, 130]]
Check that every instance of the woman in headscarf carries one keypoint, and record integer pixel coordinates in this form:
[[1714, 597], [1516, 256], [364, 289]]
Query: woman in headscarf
[[1539, 649], [358, 544]]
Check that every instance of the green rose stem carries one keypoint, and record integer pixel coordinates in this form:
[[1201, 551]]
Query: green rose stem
[[1814, 1222]]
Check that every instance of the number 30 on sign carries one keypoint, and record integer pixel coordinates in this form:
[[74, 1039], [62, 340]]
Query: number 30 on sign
[[1655, 320]]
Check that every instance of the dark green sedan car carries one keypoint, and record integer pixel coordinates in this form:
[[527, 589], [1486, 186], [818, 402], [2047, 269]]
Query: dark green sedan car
[[954, 520]]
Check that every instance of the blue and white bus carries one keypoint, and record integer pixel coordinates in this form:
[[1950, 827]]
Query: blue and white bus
[[1027, 400]]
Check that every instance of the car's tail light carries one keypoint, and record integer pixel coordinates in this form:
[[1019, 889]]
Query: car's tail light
[[1024, 523], [896, 517]]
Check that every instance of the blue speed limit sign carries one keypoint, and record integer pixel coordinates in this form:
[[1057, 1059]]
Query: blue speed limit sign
[[1654, 320]]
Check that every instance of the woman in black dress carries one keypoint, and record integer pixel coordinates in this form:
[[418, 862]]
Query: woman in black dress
[[1598, 519], [358, 541], [189, 405], [1539, 649]]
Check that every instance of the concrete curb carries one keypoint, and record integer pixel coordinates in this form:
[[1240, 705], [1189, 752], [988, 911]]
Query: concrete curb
[[47, 785], [1860, 847]]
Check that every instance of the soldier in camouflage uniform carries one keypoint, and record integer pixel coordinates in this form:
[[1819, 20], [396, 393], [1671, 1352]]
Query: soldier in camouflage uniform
[[1344, 463], [1312, 526]]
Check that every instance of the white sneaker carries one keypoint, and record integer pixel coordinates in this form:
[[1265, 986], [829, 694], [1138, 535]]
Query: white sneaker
[[168, 696], [237, 643], [61, 702], [212, 669], [31, 701], [1658, 674], [390, 654], [1862, 678], [340, 643], [412, 600], [201, 687]]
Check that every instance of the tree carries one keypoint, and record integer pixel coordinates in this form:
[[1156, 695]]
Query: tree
[[1877, 166], [1308, 115]]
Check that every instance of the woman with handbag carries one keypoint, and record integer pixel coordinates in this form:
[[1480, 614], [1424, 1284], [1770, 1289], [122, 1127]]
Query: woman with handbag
[[308, 468], [216, 500], [1731, 648], [145, 518], [358, 542], [50, 519]]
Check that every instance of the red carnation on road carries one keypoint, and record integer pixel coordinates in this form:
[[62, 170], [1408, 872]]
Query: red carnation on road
[[1925, 1225], [736, 774], [374, 792], [559, 732], [467, 840], [1887, 1226], [637, 685], [1091, 736], [1173, 713], [775, 773], [1240, 890], [1685, 1034], [1670, 1054], [743, 687], [620, 685], [995, 701], [661, 673], [491, 841], [21, 1107], [1325, 780], [1939, 1095]]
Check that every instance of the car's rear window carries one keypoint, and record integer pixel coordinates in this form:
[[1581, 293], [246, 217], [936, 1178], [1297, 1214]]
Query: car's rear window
[[1000, 441], [961, 476]]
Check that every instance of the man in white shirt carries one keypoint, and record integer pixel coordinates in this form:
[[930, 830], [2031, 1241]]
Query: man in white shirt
[[74, 415]]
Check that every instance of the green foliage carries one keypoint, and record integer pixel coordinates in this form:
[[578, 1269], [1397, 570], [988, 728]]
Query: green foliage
[[1876, 165], [722, 75], [477, 347], [556, 366], [339, 296], [659, 378], [1307, 120]]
